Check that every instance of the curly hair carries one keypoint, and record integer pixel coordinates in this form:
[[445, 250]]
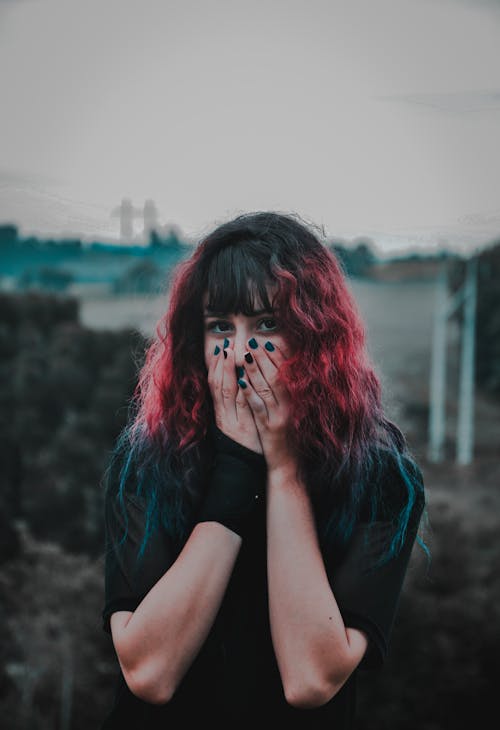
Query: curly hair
[[338, 429]]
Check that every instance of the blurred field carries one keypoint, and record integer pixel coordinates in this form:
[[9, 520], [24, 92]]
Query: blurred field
[[398, 316]]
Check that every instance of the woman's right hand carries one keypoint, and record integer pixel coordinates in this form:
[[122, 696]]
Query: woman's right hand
[[233, 415]]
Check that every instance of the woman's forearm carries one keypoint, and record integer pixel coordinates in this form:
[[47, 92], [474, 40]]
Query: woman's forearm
[[164, 634], [313, 648]]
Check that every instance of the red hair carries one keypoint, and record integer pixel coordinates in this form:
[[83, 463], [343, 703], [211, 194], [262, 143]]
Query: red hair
[[338, 427]]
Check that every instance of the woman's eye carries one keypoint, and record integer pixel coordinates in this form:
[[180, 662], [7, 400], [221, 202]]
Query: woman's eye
[[218, 326], [269, 323]]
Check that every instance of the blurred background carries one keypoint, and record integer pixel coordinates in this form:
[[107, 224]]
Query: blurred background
[[130, 129]]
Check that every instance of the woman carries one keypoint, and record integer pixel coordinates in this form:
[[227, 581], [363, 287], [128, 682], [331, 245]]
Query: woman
[[260, 508]]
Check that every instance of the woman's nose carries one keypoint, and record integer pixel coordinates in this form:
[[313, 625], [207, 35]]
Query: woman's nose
[[240, 347]]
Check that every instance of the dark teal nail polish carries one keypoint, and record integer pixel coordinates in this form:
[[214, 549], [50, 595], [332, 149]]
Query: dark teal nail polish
[[242, 383], [217, 350], [253, 343], [248, 357], [269, 346], [240, 371], [226, 342]]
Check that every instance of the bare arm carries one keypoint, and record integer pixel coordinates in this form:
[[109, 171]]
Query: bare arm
[[157, 643], [315, 652]]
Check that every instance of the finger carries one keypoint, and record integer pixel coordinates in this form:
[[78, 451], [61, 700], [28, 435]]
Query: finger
[[212, 364], [255, 402], [277, 353], [215, 373], [257, 379], [243, 410], [263, 371], [229, 387]]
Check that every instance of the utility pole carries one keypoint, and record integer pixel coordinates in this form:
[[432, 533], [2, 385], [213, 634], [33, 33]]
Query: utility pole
[[438, 369], [445, 307], [465, 430]]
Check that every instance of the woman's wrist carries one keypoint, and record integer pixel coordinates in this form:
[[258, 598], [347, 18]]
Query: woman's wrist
[[283, 474]]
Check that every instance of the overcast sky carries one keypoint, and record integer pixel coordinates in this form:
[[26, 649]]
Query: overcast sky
[[371, 118]]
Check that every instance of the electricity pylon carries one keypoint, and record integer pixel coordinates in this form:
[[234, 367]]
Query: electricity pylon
[[126, 212]]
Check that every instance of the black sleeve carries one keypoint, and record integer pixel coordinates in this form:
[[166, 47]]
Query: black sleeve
[[127, 580], [368, 596], [235, 483]]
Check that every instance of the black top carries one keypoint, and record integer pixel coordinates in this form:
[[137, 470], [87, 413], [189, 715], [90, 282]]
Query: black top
[[234, 680]]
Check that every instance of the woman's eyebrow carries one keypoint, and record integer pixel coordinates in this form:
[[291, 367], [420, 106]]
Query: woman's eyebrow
[[255, 313]]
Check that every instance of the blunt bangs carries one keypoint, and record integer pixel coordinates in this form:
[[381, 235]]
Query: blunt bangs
[[237, 280]]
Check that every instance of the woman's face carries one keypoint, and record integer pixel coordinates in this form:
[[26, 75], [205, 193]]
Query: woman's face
[[263, 325]]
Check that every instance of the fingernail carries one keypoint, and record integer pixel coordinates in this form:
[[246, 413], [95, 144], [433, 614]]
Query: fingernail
[[248, 357], [269, 346], [226, 342], [240, 371], [253, 343], [225, 354], [217, 350], [242, 383]]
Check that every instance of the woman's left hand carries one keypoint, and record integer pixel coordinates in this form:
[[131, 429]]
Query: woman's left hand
[[269, 402]]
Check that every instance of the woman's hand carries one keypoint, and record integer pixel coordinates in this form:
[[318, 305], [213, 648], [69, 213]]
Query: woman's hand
[[233, 414], [269, 402]]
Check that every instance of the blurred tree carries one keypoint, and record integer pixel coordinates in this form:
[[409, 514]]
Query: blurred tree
[[49, 278], [65, 396], [8, 235], [356, 260], [166, 237], [143, 277]]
